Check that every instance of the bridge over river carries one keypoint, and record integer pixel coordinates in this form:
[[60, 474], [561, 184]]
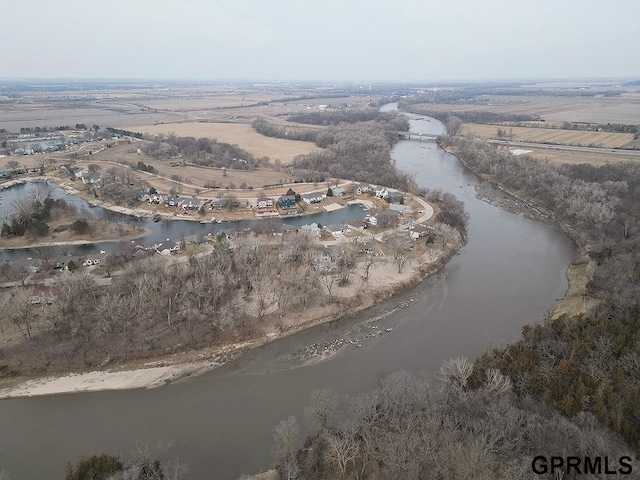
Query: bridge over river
[[416, 135]]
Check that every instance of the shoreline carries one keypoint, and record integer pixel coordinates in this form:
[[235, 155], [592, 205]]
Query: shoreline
[[77, 242], [163, 370], [575, 274]]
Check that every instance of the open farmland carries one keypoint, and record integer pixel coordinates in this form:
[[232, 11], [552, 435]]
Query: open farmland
[[209, 102], [13, 117], [624, 109], [575, 157], [240, 134], [552, 135]]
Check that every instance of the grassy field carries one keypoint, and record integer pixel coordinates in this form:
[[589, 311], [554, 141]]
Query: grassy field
[[235, 133], [551, 135], [196, 177]]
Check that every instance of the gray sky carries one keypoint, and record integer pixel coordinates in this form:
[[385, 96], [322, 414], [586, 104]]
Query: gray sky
[[402, 40]]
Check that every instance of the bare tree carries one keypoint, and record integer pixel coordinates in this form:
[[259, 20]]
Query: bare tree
[[285, 438], [328, 280], [13, 164], [401, 246], [342, 448], [322, 407], [20, 312]]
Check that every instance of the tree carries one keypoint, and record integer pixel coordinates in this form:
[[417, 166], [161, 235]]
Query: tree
[[96, 467], [80, 226], [328, 280], [322, 406], [37, 228], [20, 312], [13, 164], [401, 247], [285, 436], [42, 163]]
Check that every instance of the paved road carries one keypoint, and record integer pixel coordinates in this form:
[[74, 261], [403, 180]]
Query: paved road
[[611, 151]]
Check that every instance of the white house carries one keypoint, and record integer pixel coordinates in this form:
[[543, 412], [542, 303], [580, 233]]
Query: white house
[[311, 227], [381, 192], [313, 197], [265, 202]]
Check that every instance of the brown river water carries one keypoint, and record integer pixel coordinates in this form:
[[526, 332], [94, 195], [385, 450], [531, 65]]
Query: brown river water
[[221, 423]]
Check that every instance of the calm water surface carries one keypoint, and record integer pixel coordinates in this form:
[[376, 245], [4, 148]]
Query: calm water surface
[[221, 423]]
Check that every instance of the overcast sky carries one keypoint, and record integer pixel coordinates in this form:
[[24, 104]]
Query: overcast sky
[[401, 40]]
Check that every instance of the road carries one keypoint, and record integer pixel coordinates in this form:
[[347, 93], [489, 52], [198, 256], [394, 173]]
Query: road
[[611, 151]]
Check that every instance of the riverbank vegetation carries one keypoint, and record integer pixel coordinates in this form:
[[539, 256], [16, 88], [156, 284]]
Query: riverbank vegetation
[[226, 293], [357, 145], [584, 363], [571, 384], [407, 429]]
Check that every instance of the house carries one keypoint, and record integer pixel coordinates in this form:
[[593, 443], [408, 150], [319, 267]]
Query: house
[[400, 208], [143, 198], [219, 204], [325, 259], [381, 192], [287, 201], [313, 197], [372, 220], [166, 248], [336, 228], [265, 202], [394, 197], [311, 227], [420, 231], [358, 225], [368, 247], [338, 192], [363, 188]]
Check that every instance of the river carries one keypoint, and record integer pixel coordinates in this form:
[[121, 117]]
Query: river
[[221, 423]]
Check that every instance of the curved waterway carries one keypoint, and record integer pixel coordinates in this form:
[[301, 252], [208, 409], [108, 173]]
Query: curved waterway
[[221, 423], [158, 231]]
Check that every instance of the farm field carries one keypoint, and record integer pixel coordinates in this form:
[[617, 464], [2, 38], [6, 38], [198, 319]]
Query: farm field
[[240, 134], [15, 117], [551, 135], [573, 157], [206, 102], [623, 109]]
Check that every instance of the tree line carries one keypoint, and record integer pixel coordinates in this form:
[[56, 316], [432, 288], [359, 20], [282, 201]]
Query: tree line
[[410, 429], [201, 151], [586, 362]]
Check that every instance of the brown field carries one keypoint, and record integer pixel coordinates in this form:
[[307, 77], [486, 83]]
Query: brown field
[[209, 102], [240, 134], [623, 109], [574, 157], [551, 135]]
